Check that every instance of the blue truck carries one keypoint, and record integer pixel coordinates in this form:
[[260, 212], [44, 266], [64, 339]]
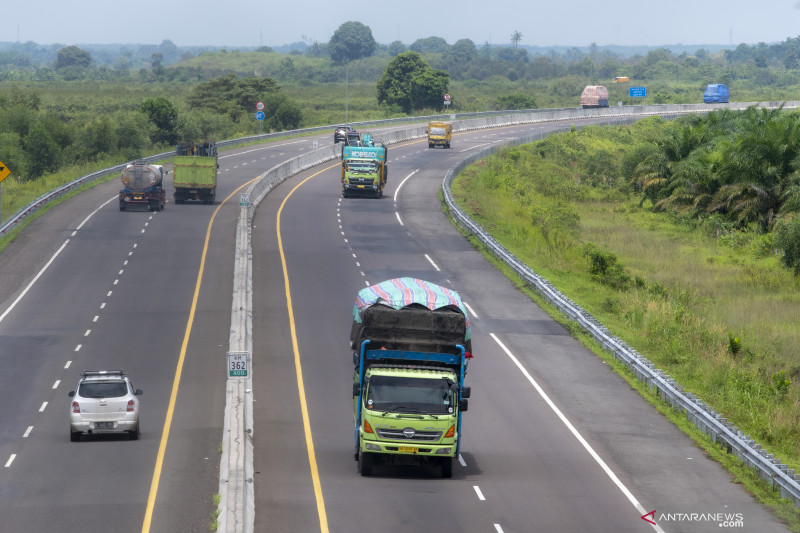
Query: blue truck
[[413, 344], [716, 93]]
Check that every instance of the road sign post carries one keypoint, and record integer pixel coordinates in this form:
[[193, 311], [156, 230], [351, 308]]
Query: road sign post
[[238, 364], [260, 119], [4, 172]]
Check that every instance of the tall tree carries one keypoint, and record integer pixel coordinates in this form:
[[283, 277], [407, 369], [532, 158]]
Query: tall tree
[[516, 37], [352, 40], [163, 114], [72, 57], [411, 83]]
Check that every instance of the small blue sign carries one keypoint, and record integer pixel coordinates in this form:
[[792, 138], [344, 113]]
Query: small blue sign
[[259, 115], [638, 92]]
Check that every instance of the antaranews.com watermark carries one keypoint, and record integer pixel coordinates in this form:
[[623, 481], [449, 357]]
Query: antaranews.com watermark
[[734, 520]]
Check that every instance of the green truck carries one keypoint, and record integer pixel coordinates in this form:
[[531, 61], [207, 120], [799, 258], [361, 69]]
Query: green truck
[[364, 169], [194, 172], [412, 343]]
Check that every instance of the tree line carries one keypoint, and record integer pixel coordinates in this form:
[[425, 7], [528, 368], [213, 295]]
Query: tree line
[[34, 141]]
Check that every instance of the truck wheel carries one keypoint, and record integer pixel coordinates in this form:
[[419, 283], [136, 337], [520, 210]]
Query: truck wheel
[[447, 145], [447, 467], [122, 206], [365, 461]]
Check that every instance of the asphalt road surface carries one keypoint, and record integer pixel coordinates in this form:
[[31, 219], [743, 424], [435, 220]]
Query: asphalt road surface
[[553, 440]]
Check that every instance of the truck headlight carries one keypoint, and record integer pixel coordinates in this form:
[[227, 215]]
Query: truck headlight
[[443, 451], [372, 447]]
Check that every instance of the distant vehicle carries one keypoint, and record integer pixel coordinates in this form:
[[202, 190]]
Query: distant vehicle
[[104, 402], [142, 186], [716, 93], [621, 79], [194, 172], [440, 133], [340, 133], [594, 96], [353, 138]]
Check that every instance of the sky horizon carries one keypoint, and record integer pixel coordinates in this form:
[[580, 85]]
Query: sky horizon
[[246, 23]]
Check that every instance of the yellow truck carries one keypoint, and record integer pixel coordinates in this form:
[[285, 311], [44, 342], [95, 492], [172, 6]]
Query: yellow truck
[[440, 133]]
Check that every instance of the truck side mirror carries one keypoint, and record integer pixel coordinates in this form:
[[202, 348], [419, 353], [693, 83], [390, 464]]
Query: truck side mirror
[[465, 391], [463, 405], [356, 389]]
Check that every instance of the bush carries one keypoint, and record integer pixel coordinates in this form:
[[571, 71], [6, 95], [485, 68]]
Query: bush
[[787, 239]]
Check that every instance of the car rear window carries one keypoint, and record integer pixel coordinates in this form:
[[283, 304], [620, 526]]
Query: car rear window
[[103, 390]]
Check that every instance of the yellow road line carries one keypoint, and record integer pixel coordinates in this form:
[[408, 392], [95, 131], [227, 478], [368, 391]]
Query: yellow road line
[[162, 448], [312, 459]]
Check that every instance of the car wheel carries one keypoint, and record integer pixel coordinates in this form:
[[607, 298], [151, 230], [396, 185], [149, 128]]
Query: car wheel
[[134, 434], [74, 437]]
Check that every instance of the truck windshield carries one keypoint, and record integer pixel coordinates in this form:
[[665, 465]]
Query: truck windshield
[[425, 395], [437, 131]]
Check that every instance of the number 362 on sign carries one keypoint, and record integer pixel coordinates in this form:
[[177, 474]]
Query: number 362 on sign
[[237, 364]]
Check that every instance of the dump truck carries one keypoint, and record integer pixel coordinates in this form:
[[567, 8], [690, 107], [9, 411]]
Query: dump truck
[[439, 134], [594, 96], [142, 186], [411, 343], [716, 93], [364, 169], [194, 172]]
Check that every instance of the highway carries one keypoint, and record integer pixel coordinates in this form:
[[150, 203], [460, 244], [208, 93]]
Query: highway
[[553, 440]]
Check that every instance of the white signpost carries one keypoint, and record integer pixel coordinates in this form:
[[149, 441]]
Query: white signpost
[[447, 99]]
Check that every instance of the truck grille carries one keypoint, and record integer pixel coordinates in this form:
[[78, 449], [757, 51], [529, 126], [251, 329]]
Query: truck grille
[[361, 181], [399, 434]]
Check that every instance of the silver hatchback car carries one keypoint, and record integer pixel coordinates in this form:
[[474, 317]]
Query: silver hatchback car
[[104, 402]]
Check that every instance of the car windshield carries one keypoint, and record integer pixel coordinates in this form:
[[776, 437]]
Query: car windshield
[[99, 389], [394, 393]]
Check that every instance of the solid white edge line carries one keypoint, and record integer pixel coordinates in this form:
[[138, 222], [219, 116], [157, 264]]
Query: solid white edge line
[[432, 263], [400, 220], [397, 191], [34, 280], [471, 310], [586, 445], [47, 265]]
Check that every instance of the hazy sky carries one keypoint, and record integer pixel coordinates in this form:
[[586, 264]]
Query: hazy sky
[[256, 23]]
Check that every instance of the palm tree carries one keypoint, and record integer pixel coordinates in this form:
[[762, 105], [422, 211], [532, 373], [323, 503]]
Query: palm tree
[[516, 37], [758, 168]]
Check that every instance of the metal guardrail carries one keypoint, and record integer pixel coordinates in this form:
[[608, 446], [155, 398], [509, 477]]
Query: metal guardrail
[[772, 470], [57, 193], [237, 507]]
